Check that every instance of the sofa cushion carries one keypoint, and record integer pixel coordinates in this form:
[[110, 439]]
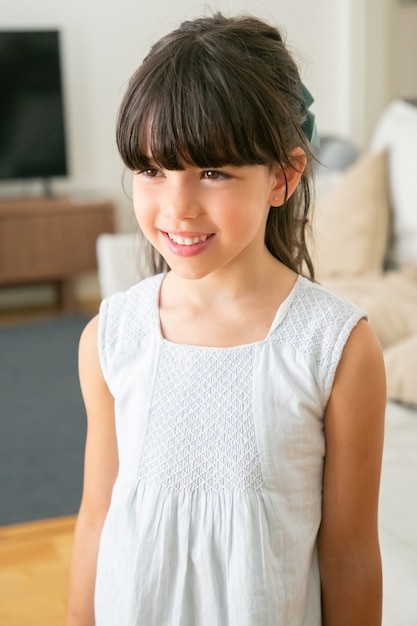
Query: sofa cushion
[[397, 131], [401, 368], [390, 300], [350, 221]]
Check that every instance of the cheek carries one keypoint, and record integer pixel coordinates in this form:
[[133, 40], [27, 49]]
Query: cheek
[[245, 218], [144, 219], [142, 207]]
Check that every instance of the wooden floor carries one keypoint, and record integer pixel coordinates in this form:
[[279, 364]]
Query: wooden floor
[[34, 565]]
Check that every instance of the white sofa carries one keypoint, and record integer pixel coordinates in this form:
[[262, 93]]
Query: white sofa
[[398, 516], [365, 249]]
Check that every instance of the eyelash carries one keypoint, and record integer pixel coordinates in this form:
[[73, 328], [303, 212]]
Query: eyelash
[[153, 172], [218, 175]]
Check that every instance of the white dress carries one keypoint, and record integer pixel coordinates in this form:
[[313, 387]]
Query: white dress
[[216, 507]]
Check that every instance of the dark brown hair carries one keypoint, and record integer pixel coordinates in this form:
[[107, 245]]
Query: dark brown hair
[[222, 91]]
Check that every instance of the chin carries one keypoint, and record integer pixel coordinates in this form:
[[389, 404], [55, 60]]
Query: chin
[[187, 272]]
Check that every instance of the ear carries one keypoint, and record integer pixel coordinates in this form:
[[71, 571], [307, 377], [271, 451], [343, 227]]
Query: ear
[[287, 177]]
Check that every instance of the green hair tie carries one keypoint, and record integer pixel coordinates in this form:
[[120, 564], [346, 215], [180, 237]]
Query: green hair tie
[[309, 125]]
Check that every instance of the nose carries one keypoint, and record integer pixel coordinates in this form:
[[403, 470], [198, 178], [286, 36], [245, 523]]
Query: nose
[[180, 198]]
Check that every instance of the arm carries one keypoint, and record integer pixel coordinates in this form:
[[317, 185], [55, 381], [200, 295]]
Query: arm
[[349, 557], [100, 470]]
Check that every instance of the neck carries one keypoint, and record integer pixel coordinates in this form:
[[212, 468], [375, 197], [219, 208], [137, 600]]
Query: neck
[[231, 284], [236, 310]]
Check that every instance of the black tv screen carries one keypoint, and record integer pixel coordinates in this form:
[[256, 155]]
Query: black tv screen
[[32, 128]]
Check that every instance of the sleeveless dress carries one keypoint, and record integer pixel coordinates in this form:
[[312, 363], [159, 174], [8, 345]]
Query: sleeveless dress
[[216, 507]]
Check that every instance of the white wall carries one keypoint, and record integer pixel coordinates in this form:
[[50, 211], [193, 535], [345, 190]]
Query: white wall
[[367, 54], [103, 42], [404, 79]]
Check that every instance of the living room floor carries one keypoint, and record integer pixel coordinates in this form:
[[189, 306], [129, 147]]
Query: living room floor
[[35, 556], [34, 571]]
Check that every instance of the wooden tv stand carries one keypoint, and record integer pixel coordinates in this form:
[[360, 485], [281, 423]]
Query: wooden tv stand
[[51, 240]]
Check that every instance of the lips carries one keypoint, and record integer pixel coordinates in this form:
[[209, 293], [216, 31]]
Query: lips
[[188, 244]]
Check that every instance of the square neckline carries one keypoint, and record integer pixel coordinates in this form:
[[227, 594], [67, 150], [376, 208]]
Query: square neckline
[[277, 320]]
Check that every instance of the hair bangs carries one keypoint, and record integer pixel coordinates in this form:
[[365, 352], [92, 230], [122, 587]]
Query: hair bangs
[[198, 137], [186, 114]]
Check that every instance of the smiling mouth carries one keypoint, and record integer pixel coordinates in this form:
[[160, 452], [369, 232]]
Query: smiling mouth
[[188, 240]]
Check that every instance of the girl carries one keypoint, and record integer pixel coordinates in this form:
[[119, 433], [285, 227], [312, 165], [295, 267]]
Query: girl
[[235, 408]]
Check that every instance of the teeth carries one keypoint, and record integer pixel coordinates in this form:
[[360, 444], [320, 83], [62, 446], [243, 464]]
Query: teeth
[[187, 241]]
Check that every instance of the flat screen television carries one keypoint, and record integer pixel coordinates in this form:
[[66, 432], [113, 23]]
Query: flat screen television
[[32, 125]]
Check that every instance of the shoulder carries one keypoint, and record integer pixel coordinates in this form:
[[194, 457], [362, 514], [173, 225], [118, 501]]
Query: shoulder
[[141, 292], [321, 304], [132, 308], [126, 317], [361, 365], [318, 324], [317, 321]]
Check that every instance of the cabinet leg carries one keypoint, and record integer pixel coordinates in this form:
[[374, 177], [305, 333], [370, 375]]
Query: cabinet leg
[[67, 297]]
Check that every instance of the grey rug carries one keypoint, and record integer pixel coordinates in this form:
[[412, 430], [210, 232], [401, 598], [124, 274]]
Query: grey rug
[[42, 420]]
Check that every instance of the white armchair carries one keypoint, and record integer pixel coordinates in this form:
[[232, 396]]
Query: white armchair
[[121, 261]]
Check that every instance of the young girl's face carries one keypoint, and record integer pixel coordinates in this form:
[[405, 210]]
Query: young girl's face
[[202, 220]]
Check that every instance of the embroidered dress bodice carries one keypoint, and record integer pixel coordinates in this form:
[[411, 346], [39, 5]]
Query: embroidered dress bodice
[[216, 507]]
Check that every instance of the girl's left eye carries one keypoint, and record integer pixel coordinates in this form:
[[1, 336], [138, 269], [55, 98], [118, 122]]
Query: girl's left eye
[[215, 175]]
